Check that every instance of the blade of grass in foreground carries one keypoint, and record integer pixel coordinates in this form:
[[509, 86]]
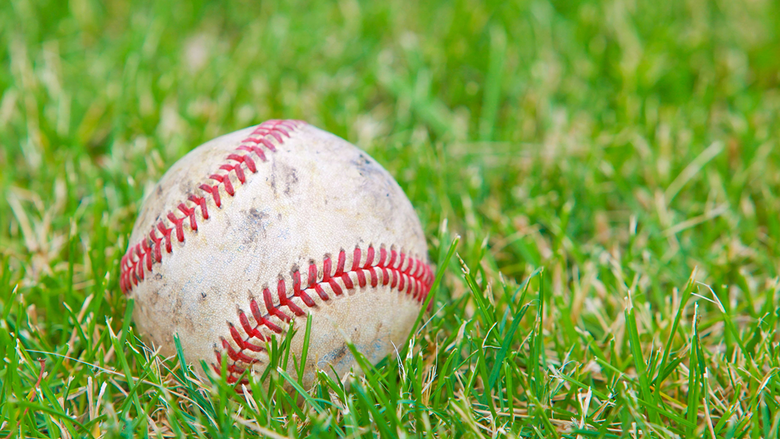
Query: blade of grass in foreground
[[536, 341], [509, 337], [639, 362], [299, 388], [443, 264], [694, 375], [305, 351], [661, 368]]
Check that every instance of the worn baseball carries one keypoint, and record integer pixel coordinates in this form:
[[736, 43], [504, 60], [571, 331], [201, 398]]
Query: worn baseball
[[252, 232]]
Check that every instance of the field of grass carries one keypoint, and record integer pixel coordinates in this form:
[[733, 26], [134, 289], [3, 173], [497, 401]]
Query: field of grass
[[607, 174]]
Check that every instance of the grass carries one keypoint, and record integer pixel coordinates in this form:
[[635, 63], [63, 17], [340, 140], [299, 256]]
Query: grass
[[607, 175]]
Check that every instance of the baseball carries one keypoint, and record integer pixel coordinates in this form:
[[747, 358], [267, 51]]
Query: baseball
[[250, 233]]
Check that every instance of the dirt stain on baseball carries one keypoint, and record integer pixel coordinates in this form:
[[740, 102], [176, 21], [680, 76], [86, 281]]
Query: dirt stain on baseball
[[284, 178], [256, 221]]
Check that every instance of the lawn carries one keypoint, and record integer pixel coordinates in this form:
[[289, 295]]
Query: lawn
[[599, 184]]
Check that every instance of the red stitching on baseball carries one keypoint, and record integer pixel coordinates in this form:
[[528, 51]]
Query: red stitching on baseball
[[273, 310], [179, 224], [148, 254], [406, 271], [281, 291], [166, 232], [200, 201], [188, 213], [260, 318], [140, 269], [141, 256], [157, 248]]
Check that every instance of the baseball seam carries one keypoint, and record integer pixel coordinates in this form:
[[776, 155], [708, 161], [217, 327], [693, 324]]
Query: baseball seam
[[141, 257], [404, 273]]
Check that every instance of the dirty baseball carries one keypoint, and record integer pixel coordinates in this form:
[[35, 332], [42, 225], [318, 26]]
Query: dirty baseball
[[252, 232]]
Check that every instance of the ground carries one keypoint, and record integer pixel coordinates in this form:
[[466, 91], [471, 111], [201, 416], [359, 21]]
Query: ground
[[598, 182]]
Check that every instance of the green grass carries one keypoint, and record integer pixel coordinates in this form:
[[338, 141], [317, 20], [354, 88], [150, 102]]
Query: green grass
[[608, 171]]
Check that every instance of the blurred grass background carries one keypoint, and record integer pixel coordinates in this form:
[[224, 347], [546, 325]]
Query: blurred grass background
[[628, 148]]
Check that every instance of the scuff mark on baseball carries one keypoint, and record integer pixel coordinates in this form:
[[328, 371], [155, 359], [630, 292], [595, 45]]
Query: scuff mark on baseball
[[254, 231]]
